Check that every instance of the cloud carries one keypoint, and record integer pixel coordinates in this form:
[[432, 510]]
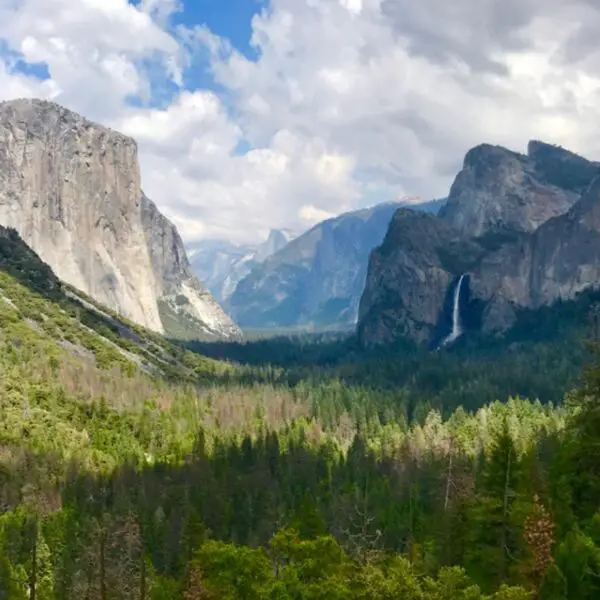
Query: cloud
[[347, 103], [313, 215], [408, 87], [14, 84], [94, 50]]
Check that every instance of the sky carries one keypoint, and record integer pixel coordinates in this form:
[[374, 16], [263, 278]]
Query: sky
[[259, 114]]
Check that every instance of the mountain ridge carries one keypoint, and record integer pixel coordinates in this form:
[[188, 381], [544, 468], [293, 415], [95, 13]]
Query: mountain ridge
[[498, 188]]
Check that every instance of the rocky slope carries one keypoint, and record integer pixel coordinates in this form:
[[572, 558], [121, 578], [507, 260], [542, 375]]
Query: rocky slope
[[317, 279], [221, 265], [499, 189], [185, 306], [71, 189], [556, 262], [524, 230]]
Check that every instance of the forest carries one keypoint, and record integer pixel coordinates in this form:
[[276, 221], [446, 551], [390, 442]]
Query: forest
[[293, 468]]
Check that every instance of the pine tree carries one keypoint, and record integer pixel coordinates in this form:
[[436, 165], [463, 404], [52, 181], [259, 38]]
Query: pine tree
[[494, 540]]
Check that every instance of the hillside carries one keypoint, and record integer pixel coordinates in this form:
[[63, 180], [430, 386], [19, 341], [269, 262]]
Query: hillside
[[35, 300], [60, 351]]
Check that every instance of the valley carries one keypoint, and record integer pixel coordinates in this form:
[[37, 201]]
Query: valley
[[411, 411], [123, 455]]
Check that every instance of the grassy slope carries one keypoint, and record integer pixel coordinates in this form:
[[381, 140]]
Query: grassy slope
[[77, 380]]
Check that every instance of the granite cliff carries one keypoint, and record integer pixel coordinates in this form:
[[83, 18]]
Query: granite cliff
[[315, 280], [556, 262], [523, 229], [500, 189], [409, 276], [71, 189]]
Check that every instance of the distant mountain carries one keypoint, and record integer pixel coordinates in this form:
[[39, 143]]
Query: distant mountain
[[316, 280], [221, 265], [213, 260], [71, 189], [519, 232]]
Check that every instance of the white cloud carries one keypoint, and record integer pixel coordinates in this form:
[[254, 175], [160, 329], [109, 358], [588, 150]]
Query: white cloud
[[17, 85], [354, 6], [93, 49], [311, 214], [349, 101]]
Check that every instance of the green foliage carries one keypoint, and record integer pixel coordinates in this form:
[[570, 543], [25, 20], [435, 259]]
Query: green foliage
[[285, 469]]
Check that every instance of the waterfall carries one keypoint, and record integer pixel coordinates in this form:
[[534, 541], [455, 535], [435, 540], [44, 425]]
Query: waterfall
[[456, 327]]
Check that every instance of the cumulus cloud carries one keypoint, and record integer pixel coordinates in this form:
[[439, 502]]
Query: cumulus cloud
[[94, 50], [349, 101]]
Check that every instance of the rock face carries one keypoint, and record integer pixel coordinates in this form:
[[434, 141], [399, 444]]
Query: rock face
[[502, 190], [409, 276], [317, 279], [556, 262], [185, 306], [71, 189], [221, 265], [525, 230]]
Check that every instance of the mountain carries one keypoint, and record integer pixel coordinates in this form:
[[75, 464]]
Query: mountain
[[408, 278], [556, 262], [501, 189], [274, 243], [316, 280], [523, 230], [221, 264], [212, 261], [71, 188]]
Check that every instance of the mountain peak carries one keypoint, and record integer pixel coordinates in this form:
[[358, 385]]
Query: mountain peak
[[275, 242], [499, 189], [484, 157]]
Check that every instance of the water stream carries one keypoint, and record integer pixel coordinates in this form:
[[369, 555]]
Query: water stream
[[456, 331]]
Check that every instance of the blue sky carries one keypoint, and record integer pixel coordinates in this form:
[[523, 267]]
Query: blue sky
[[345, 103], [226, 18]]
